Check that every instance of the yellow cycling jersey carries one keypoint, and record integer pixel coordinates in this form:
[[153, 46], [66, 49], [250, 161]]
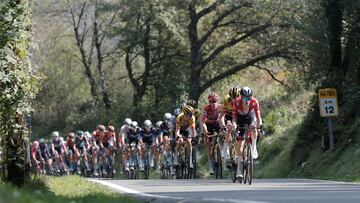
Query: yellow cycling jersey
[[228, 105], [183, 123]]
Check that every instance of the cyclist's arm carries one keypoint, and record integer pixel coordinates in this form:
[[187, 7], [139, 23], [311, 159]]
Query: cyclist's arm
[[258, 115], [234, 116]]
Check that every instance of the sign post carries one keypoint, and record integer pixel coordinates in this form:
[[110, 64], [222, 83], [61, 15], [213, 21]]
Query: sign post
[[329, 108]]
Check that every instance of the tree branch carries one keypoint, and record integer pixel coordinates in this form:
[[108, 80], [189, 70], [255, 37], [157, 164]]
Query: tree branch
[[209, 9], [216, 22], [237, 68], [232, 43], [271, 73]]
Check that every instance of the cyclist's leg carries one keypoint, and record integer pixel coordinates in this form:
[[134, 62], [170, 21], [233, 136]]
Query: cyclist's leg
[[178, 143], [251, 121], [189, 147]]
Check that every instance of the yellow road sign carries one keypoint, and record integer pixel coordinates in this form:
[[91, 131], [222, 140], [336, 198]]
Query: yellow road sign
[[328, 102]]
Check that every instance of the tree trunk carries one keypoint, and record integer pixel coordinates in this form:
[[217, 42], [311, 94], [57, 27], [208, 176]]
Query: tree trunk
[[98, 42], [334, 17]]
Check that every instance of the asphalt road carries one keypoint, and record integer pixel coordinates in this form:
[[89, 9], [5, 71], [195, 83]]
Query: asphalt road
[[262, 190]]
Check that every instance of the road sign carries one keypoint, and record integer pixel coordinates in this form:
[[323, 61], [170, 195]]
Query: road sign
[[328, 103]]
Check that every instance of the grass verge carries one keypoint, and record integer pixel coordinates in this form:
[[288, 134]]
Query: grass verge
[[72, 189]]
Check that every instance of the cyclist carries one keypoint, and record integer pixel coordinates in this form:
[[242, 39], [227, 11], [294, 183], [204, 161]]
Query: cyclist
[[98, 135], [36, 156], [45, 154], [211, 123], [228, 106], [226, 115], [81, 144], [108, 141], [246, 111], [124, 130], [148, 137], [132, 135], [185, 128], [167, 133], [71, 151], [58, 151]]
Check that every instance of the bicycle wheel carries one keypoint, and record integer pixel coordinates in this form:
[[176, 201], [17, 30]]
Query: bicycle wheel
[[219, 162], [250, 165], [193, 171]]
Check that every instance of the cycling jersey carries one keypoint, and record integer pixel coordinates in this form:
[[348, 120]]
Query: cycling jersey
[[57, 146], [98, 136], [183, 124], [80, 142], [165, 128], [252, 109], [124, 130], [44, 151], [211, 114], [228, 107], [148, 137], [133, 136]]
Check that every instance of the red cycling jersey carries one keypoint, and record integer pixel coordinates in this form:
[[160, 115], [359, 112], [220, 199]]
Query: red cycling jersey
[[107, 136], [238, 108], [69, 143], [98, 136], [211, 113]]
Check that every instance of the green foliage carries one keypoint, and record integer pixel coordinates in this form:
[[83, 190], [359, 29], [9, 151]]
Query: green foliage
[[18, 85]]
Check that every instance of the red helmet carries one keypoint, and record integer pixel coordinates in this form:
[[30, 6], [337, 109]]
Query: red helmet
[[111, 128], [213, 97]]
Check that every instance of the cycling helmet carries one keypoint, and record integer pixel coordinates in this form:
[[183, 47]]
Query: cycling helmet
[[111, 128], [62, 139], [158, 124], [134, 124], [177, 112], [128, 121], [79, 133], [71, 135], [188, 109], [36, 143], [191, 102], [147, 124], [87, 134], [55, 134], [213, 97], [182, 105], [246, 92], [167, 116], [101, 127], [234, 92], [41, 140]]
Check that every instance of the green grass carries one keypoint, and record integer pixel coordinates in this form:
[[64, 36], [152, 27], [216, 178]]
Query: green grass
[[59, 190]]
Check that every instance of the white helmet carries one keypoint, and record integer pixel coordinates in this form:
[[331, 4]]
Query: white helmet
[[134, 124], [158, 124], [246, 91], [177, 112], [167, 116], [87, 134], [128, 121], [62, 139], [147, 124], [55, 134]]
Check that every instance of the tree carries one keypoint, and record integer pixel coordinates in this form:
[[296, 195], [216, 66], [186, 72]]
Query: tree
[[223, 27], [18, 86], [92, 36]]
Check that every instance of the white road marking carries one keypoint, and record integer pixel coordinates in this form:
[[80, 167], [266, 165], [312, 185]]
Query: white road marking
[[135, 192]]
